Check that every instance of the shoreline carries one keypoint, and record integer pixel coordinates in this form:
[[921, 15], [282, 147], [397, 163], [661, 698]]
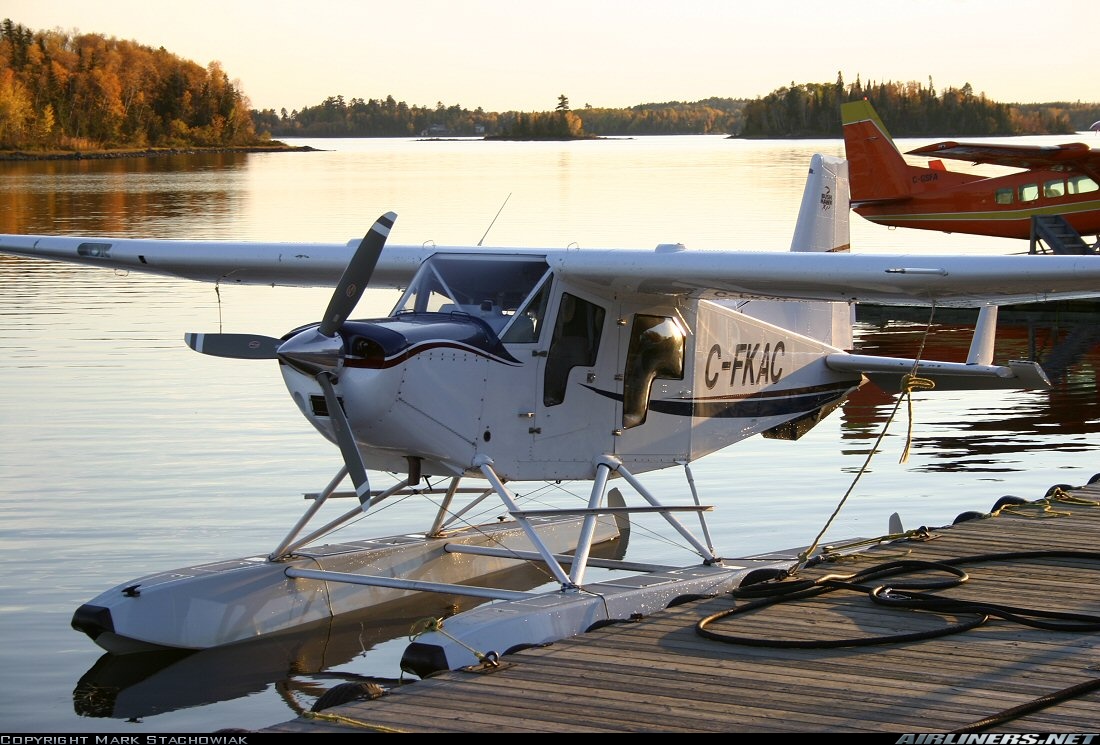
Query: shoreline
[[274, 147]]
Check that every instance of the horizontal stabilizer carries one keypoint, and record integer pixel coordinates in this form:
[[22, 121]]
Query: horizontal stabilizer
[[888, 372]]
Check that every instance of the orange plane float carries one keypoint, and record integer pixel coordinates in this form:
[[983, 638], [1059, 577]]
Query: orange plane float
[[885, 189]]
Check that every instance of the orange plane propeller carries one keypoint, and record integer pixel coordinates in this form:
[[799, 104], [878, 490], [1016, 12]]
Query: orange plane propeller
[[885, 189]]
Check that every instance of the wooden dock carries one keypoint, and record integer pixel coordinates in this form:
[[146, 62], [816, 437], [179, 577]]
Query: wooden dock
[[807, 665]]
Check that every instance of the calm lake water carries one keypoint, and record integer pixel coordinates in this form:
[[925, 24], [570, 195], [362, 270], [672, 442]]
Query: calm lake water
[[126, 453]]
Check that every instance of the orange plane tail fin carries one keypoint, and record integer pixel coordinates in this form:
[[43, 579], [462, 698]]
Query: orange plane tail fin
[[877, 172]]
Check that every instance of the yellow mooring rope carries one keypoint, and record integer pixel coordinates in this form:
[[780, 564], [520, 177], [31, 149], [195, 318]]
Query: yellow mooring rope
[[351, 721], [910, 383]]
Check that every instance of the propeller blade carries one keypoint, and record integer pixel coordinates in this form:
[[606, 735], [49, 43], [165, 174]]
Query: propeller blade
[[356, 276], [237, 346], [348, 449]]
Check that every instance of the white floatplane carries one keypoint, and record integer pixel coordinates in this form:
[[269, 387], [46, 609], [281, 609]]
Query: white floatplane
[[500, 366]]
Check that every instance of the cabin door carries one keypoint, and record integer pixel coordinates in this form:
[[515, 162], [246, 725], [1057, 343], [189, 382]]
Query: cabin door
[[576, 406]]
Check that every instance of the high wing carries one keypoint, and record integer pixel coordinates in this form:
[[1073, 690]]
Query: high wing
[[226, 262], [950, 281], [1072, 156]]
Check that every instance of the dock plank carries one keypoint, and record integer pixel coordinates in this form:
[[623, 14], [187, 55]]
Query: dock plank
[[658, 674]]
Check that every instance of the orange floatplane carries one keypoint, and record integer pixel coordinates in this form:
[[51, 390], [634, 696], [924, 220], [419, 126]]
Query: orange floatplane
[[886, 189]]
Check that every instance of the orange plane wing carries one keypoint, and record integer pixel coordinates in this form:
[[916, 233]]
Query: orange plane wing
[[1073, 156]]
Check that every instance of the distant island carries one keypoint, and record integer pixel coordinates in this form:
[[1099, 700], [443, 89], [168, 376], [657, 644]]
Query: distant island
[[559, 124], [796, 111], [176, 106]]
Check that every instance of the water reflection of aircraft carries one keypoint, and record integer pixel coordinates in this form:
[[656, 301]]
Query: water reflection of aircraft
[[885, 189], [505, 366]]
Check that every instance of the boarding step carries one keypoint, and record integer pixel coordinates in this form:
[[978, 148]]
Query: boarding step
[[1060, 238]]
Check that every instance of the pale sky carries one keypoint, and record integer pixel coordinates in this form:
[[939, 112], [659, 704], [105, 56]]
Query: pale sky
[[517, 55]]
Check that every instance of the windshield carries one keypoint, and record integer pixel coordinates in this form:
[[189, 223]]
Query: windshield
[[492, 288]]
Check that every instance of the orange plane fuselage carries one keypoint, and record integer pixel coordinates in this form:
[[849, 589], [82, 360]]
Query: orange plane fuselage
[[972, 208]]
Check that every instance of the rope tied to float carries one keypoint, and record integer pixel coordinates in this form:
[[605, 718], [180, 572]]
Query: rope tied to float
[[910, 383], [425, 625]]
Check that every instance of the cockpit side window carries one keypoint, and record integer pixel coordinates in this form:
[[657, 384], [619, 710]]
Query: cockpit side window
[[575, 342], [1081, 185], [657, 349], [527, 323]]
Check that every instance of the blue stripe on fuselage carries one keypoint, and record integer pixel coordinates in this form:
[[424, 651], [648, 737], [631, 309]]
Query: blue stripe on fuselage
[[767, 403]]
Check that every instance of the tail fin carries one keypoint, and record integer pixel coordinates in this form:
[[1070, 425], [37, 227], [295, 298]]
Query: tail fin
[[823, 216], [822, 226], [877, 169]]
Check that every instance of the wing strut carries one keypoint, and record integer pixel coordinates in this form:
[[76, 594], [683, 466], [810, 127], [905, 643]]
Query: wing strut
[[985, 333]]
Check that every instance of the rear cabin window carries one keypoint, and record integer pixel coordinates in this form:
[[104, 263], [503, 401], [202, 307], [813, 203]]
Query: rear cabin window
[[1054, 188], [1029, 192], [657, 345], [1003, 196]]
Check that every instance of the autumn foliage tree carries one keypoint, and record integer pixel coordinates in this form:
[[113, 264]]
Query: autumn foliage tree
[[88, 92]]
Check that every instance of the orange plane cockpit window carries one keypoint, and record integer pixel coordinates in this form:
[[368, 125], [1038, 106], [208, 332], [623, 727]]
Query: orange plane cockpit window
[[1081, 185]]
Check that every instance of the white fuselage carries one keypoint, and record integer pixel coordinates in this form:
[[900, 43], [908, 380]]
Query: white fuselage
[[446, 401]]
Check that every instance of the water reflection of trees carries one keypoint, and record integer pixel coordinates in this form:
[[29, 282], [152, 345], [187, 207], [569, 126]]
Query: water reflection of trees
[[121, 196]]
